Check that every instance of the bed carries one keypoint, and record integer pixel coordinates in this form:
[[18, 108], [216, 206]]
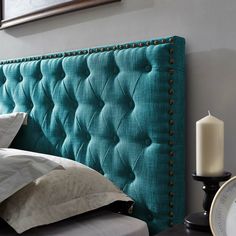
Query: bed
[[118, 109]]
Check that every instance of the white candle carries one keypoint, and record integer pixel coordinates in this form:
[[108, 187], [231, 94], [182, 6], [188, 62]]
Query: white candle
[[209, 146]]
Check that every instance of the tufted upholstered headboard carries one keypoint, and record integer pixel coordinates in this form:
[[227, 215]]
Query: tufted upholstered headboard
[[118, 109]]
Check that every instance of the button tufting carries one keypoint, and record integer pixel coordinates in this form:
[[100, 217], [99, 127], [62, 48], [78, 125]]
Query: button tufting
[[148, 141], [131, 104], [63, 75], [148, 68], [20, 78], [132, 176], [88, 136], [115, 139], [31, 105], [3, 80], [40, 76], [101, 103], [116, 70]]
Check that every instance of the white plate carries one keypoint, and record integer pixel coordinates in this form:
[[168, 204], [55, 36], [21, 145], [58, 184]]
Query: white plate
[[223, 210]]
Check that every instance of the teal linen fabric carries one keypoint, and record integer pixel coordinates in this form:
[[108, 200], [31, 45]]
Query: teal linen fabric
[[118, 109]]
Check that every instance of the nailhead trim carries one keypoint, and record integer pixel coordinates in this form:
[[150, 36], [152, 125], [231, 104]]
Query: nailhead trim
[[171, 91], [93, 50], [171, 224]]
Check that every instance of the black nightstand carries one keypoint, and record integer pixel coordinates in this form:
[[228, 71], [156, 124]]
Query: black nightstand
[[180, 230]]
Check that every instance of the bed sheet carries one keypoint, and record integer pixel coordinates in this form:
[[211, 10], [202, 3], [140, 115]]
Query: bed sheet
[[99, 223]]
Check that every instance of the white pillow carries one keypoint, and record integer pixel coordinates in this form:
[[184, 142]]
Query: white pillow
[[9, 127], [59, 195], [16, 171]]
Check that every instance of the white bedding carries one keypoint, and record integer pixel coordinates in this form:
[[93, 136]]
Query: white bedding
[[99, 223]]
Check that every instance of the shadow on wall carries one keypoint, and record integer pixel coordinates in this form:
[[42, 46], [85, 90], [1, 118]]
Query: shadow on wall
[[78, 17], [211, 85]]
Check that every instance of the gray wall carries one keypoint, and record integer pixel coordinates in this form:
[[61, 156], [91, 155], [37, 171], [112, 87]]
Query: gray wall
[[209, 28]]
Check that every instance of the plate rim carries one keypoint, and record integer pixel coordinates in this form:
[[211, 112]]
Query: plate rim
[[221, 189]]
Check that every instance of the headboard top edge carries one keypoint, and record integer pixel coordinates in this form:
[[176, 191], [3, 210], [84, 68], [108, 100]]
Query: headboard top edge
[[135, 44]]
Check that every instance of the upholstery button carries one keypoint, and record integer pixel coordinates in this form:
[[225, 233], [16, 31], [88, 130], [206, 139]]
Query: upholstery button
[[115, 139], [116, 70], [3, 79], [148, 68], [40, 76], [101, 103], [63, 75], [131, 104], [88, 136], [131, 175], [75, 103], [20, 78], [148, 141]]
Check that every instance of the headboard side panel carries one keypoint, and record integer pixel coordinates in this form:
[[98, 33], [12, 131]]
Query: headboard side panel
[[118, 109]]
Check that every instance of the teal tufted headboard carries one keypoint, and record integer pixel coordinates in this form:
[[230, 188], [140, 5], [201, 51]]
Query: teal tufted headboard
[[118, 109]]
